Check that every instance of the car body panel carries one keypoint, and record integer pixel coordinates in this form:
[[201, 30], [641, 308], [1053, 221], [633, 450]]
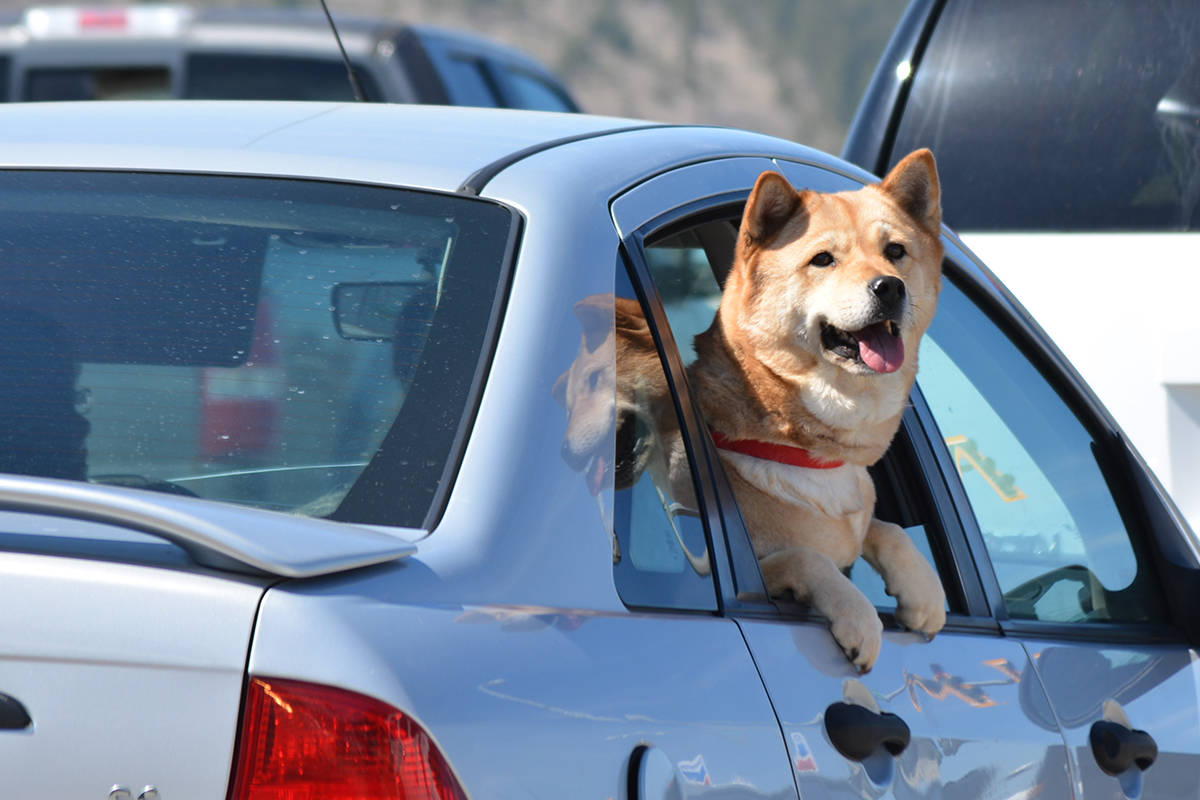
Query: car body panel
[[963, 696], [1157, 689], [563, 697], [122, 668]]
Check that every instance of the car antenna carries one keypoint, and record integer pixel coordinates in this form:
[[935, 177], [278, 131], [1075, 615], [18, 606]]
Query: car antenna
[[354, 84]]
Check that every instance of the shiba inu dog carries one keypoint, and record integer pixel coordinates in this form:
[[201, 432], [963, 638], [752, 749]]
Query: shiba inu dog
[[803, 378]]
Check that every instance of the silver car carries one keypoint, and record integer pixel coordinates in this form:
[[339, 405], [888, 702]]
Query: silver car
[[291, 507]]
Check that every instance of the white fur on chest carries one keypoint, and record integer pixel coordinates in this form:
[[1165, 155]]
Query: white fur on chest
[[834, 492], [849, 407]]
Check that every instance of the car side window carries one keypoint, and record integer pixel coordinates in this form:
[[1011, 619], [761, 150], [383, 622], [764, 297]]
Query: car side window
[[689, 264], [1054, 532], [660, 550]]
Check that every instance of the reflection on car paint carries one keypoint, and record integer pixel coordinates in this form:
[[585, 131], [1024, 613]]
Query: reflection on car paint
[[944, 685]]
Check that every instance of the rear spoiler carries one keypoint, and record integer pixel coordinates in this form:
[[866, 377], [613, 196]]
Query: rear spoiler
[[220, 536]]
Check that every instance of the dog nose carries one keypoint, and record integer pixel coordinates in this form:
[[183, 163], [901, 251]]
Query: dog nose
[[888, 289]]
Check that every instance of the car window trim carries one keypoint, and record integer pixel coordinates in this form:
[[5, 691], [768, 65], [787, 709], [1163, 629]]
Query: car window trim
[[685, 410]]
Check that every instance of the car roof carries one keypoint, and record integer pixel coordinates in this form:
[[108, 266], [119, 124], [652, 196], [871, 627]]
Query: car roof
[[434, 147]]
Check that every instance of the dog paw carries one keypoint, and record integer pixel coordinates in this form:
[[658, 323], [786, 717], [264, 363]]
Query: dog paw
[[860, 636], [922, 609]]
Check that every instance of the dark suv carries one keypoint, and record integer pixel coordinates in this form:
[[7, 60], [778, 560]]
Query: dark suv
[[168, 51]]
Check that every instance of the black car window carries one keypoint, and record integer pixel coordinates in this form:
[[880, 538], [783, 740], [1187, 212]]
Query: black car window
[[97, 83], [236, 76], [1058, 543], [1071, 115], [660, 552], [295, 345], [689, 263]]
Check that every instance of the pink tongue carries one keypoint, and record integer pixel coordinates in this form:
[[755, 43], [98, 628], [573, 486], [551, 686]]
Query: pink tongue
[[880, 350]]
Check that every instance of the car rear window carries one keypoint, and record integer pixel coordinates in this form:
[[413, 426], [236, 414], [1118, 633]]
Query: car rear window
[[234, 76], [1073, 115], [97, 83], [295, 345]]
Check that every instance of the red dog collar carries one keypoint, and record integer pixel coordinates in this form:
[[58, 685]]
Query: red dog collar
[[784, 454]]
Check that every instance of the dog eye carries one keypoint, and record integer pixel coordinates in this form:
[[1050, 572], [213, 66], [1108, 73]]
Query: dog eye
[[822, 259], [894, 251]]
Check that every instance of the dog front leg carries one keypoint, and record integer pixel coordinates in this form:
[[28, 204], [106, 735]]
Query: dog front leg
[[908, 576], [815, 579]]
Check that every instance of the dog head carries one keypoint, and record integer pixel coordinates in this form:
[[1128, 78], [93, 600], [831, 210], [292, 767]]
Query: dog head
[[613, 392], [839, 288]]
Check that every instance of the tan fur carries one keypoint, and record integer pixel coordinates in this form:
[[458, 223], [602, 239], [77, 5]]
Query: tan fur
[[763, 373]]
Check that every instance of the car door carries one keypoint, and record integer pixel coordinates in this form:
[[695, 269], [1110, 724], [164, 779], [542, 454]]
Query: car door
[[1078, 555], [963, 698]]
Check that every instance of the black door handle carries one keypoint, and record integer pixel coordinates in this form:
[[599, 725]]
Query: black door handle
[[1118, 748], [13, 716], [857, 732]]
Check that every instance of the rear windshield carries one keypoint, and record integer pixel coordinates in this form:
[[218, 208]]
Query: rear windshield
[[97, 83], [234, 76], [294, 345], [1071, 115]]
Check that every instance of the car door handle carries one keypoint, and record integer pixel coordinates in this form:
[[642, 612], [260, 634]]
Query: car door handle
[[13, 716], [857, 732], [1117, 748]]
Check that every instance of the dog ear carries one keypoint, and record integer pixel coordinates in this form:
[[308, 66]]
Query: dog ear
[[628, 317], [595, 314], [913, 184], [772, 203]]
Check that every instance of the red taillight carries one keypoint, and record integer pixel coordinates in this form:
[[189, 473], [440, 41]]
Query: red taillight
[[304, 741]]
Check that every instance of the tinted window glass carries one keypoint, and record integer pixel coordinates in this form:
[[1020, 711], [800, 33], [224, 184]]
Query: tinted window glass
[[528, 91], [661, 553], [4, 73], [258, 341], [224, 76], [468, 83], [1081, 114], [147, 83], [1057, 541]]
